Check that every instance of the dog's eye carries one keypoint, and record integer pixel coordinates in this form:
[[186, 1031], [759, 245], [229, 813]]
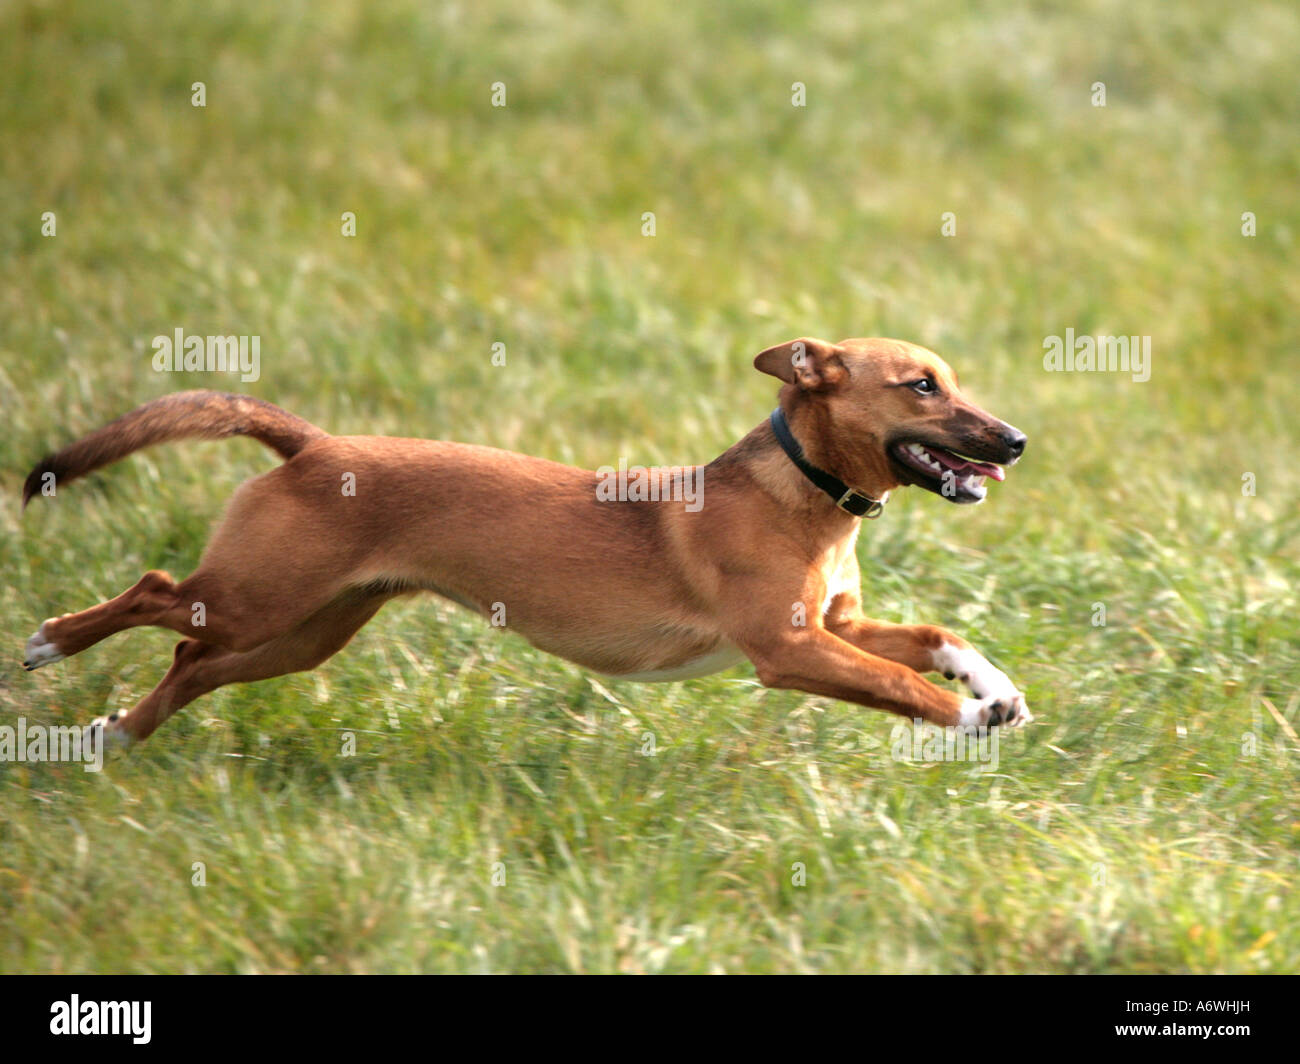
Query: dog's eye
[[925, 386]]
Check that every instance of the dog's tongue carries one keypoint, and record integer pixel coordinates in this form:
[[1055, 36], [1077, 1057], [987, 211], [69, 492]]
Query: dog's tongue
[[964, 466]]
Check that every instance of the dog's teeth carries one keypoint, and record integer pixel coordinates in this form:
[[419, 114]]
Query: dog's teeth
[[924, 457]]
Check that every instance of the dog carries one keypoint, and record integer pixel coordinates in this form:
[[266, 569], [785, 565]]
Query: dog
[[762, 567]]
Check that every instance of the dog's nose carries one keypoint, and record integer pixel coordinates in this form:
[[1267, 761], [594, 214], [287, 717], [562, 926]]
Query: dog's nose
[[1015, 441]]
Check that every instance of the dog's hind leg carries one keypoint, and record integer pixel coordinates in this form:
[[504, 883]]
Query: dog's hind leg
[[238, 614], [199, 668], [61, 637], [271, 563], [238, 601]]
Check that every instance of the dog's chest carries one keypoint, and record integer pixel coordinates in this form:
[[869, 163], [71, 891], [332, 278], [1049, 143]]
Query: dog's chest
[[839, 568], [723, 657]]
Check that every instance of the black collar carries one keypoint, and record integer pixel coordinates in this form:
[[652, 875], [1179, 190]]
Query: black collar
[[846, 498]]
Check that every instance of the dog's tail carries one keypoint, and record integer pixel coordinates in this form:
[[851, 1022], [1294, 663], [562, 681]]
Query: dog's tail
[[185, 415]]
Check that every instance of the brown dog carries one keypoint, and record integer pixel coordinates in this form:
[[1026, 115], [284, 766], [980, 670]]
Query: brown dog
[[644, 574]]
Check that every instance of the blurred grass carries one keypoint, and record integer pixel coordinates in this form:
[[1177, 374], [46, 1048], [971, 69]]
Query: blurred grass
[[1128, 830]]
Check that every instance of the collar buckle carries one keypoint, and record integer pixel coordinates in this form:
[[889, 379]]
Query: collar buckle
[[859, 505]]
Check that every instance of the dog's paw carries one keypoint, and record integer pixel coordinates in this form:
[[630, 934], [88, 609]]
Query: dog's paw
[[989, 684], [41, 650], [110, 731], [971, 668], [1008, 710]]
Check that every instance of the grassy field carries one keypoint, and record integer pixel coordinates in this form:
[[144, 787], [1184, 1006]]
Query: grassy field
[[499, 813]]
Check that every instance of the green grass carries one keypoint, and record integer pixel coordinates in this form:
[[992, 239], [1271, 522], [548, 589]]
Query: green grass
[[1132, 828]]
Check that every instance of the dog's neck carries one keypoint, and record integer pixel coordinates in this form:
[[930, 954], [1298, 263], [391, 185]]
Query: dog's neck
[[862, 467], [762, 458]]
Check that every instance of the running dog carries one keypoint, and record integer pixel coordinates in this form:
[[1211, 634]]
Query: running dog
[[761, 567]]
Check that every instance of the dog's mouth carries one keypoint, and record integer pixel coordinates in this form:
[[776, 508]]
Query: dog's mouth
[[954, 476]]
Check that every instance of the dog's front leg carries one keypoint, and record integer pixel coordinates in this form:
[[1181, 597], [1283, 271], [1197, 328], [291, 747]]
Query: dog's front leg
[[928, 648], [818, 662]]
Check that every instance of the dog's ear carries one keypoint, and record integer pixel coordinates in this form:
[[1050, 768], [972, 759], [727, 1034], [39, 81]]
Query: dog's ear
[[812, 364]]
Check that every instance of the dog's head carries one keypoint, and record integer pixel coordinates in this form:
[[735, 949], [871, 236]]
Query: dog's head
[[884, 413]]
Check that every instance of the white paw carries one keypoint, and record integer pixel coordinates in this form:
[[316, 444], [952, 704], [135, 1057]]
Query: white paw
[[1008, 711], [40, 650], [981, 676], [111, 731]]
